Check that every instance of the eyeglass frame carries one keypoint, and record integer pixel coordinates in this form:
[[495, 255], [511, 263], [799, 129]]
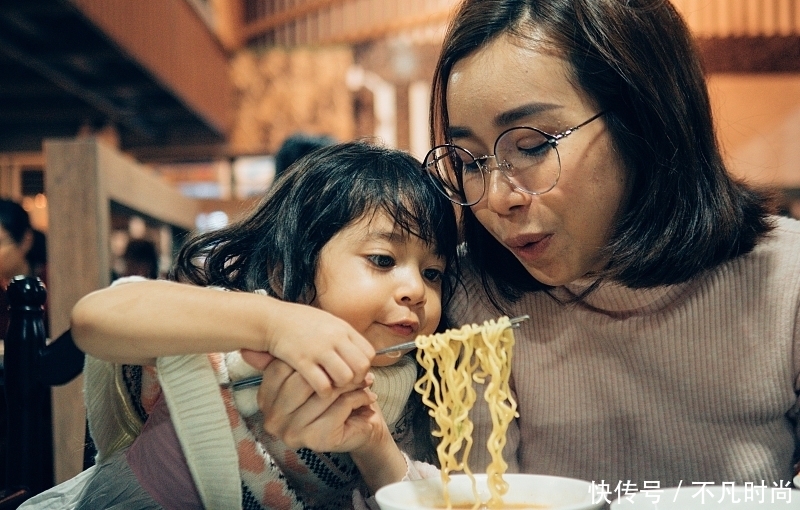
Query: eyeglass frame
[[503, 166]]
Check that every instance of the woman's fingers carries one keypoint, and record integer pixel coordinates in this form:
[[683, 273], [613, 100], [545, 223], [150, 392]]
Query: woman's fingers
[[341, 425], [300, 417], [257, 359], [282, 389]]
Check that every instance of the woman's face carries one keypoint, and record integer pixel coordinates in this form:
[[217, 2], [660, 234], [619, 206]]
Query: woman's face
[[558, 235], [12, 256]]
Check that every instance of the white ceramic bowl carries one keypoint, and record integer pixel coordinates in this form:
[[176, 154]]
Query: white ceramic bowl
[[697, 497], [525, 491]]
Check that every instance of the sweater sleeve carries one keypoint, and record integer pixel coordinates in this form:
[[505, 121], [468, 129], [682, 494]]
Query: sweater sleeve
[[795, 411], [319, 479], [316, 479]]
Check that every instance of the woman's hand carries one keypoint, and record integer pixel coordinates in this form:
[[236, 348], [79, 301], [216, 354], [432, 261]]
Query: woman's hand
[[302, 418], [349, 420]]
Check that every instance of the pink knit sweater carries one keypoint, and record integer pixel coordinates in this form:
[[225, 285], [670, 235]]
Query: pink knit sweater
[[689, 383]]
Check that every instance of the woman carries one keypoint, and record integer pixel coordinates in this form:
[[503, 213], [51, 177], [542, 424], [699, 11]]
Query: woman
[[663, 340], [663, 296], [22, 250]]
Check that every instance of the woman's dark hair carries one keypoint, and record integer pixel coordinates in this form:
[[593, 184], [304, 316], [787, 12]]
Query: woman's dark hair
[[277, 246], [16, 221], [636, 59]]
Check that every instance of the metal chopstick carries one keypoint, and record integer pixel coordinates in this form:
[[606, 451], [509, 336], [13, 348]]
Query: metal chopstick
[[410, 345], [256, 380]]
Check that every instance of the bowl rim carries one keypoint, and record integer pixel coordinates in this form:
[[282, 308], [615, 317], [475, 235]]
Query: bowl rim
[[380, 494]]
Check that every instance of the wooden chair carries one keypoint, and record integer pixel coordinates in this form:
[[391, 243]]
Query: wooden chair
[[31, 367]]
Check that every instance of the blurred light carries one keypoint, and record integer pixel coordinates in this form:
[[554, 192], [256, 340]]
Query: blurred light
[[207, 222], [137, 227]]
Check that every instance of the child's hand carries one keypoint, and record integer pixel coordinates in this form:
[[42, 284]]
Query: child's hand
[[325, 350], [301, 418]]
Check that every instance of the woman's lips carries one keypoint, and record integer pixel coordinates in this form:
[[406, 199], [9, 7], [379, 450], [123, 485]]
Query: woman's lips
[[528, 248]]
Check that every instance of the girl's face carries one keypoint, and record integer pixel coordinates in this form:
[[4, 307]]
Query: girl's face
[[383, 282], [12, 256], [557, 236]]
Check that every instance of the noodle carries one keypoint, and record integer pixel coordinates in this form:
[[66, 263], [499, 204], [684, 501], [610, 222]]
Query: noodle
[[452, 361]]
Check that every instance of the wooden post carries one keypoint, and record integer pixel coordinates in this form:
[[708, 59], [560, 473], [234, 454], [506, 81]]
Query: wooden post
[[82, 178]]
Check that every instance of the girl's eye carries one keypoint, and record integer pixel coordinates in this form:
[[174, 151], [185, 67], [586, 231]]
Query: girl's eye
[[381, 260], [432, 275]]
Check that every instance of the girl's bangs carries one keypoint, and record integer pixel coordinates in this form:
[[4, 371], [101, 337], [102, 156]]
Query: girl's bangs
[[417, 211]]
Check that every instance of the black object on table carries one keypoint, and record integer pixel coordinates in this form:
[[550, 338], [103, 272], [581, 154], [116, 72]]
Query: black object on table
[[31, 367]]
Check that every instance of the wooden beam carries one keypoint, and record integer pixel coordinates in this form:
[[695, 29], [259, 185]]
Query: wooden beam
[[776, 54], [381, 30]]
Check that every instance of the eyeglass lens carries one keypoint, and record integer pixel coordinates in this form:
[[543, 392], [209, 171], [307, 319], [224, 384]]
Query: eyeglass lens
[[527, 158]]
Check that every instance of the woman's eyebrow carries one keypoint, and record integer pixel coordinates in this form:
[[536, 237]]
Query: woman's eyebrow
[[509, 117], [458, 132], [505, 119]]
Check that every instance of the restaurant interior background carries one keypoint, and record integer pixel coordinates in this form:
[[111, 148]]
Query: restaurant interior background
[[150, 118]]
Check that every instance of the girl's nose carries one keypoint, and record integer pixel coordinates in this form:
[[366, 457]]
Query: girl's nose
[[412, 291]]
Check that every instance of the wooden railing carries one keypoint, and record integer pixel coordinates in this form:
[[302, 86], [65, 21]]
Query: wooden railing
[[741, 18], [299, 22], [304, 22]]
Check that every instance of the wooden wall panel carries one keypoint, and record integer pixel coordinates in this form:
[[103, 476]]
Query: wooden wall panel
[[282, 91]]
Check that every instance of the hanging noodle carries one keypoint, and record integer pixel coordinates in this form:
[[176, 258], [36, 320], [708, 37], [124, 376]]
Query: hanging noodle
[[452, 361]]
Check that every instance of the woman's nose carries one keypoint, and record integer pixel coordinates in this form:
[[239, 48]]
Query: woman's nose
[[501, 194]]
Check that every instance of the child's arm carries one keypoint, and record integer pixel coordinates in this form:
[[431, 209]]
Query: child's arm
[[136, 322], [348, 421]]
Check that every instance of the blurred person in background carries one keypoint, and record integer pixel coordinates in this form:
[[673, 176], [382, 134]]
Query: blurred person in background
[[23, 251], [295, 147], [141, 259]]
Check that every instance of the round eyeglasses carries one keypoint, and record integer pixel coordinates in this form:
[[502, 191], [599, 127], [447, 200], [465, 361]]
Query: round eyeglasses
[[526, 156]]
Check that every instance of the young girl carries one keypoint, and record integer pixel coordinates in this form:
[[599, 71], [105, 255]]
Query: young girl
[[355, 230]]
